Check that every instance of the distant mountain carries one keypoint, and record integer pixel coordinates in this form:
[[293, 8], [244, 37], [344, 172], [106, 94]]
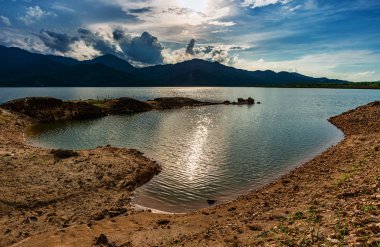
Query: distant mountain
[[198, 72], [23, 68], [113, 62]]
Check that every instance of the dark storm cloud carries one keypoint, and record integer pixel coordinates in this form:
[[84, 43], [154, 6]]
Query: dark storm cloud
[[190, 47], [146, 49], [57, 41], [97, 42], [118, 34]]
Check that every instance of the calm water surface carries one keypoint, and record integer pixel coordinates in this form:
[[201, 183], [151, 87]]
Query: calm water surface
[[213, 152]]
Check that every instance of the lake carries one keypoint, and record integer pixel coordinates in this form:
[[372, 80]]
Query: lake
[[212, 152]]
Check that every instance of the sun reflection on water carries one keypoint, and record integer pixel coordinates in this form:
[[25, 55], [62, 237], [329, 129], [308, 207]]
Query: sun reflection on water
[[194, 156]]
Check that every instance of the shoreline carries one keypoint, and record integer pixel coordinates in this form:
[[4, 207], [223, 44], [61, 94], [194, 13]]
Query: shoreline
[[332, 199]]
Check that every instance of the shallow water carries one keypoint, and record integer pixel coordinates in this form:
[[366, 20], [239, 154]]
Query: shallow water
[[213, 152]]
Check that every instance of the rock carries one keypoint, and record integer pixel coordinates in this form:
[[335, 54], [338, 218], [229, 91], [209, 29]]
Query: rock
[[102, 240], [227, 102], [254, 227], [249, 101], [163, 221], [63, 154], [232, 209], [211, 202]]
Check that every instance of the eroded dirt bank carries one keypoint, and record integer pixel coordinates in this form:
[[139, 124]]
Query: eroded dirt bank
[[332, 200], [44, 191]]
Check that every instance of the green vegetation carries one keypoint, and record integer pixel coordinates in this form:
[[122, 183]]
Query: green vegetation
[[346, 85], [97, 103]]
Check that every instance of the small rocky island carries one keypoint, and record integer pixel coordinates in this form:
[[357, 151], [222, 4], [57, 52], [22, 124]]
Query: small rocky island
[[47, 109]]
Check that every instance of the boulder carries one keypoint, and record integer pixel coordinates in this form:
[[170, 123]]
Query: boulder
[[63, 154], [211, 202]]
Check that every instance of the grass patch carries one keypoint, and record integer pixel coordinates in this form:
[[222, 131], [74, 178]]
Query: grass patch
[[369, 208], [343, 178], [97, 103]]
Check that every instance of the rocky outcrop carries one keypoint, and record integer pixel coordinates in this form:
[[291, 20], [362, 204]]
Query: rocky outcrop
[[177, 102], [47, 109], [241, 101], [127, 105], [248, 101], [51, 109]]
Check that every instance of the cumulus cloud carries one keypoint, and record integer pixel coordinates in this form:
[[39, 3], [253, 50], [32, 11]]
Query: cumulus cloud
[[16, 38], [57, 41], [220, 53], [5, 20], [34, 14], [168, 18], [145, 48], [262, 3], [99, 42]]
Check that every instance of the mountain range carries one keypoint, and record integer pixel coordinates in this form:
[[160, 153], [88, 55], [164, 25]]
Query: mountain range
[[20, 68]]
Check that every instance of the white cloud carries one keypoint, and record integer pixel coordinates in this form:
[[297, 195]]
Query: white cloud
[[34, 14], [168, 18], [224, 54], [223, 24], [61, 7], [262, 3], [17, 38], [5, 20], [81, 51], [221, 31]]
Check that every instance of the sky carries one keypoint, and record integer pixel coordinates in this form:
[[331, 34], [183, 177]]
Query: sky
[[320, 38]]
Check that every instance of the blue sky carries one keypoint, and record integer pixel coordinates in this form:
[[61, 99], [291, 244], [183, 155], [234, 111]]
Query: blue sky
[[336, 39]]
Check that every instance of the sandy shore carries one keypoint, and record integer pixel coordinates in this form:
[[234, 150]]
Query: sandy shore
[[332, 200]]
